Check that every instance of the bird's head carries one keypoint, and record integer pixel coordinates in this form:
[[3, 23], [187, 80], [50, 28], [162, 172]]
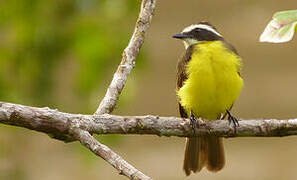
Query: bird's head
[[197, 33]]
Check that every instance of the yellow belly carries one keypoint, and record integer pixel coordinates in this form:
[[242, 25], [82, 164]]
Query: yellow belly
[[213, 82]]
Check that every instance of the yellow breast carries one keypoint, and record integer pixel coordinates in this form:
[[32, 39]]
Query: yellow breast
[[213, 82]]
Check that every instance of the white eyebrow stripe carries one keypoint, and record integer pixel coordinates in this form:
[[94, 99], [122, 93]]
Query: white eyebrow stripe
[[201, 26]]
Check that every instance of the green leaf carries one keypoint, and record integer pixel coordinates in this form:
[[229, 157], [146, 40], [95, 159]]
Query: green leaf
[[281, 28]]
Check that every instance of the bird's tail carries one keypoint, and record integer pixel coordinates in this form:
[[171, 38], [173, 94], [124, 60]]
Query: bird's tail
[[204, 151]]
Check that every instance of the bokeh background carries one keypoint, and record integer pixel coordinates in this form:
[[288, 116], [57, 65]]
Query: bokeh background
[[62, 54]]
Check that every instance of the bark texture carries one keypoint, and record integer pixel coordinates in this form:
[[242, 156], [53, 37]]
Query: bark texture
[[60, 125]]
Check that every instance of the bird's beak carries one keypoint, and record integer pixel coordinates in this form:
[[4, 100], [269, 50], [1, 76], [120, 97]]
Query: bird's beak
[[180, 36]]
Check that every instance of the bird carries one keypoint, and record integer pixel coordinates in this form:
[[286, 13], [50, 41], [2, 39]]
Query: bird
[[208, 84]]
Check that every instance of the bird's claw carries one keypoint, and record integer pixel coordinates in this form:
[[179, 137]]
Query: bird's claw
[[234, 120], [194, 123]]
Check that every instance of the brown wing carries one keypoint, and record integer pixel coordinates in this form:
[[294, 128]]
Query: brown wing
[[182, 76]]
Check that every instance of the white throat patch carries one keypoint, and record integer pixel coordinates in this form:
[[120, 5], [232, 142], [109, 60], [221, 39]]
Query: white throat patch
[[188, 42]]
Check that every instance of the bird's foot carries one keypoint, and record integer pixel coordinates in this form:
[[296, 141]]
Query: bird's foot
[[232, 119]]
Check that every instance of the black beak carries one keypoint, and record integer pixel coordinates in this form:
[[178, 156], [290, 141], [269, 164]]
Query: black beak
[[180, 36]]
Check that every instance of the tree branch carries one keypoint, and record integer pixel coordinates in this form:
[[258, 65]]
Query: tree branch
[[119, 80], [129, 57], [108, 155], [57, 123]]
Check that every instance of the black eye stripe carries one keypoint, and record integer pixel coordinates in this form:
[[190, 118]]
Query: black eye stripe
[[202, 34]]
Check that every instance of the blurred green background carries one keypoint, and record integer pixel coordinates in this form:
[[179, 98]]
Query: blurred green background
[[62, 54]]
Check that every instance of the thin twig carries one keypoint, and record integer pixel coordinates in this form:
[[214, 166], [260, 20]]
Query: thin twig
[[128, 60], [108, 155], [119, 80]]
